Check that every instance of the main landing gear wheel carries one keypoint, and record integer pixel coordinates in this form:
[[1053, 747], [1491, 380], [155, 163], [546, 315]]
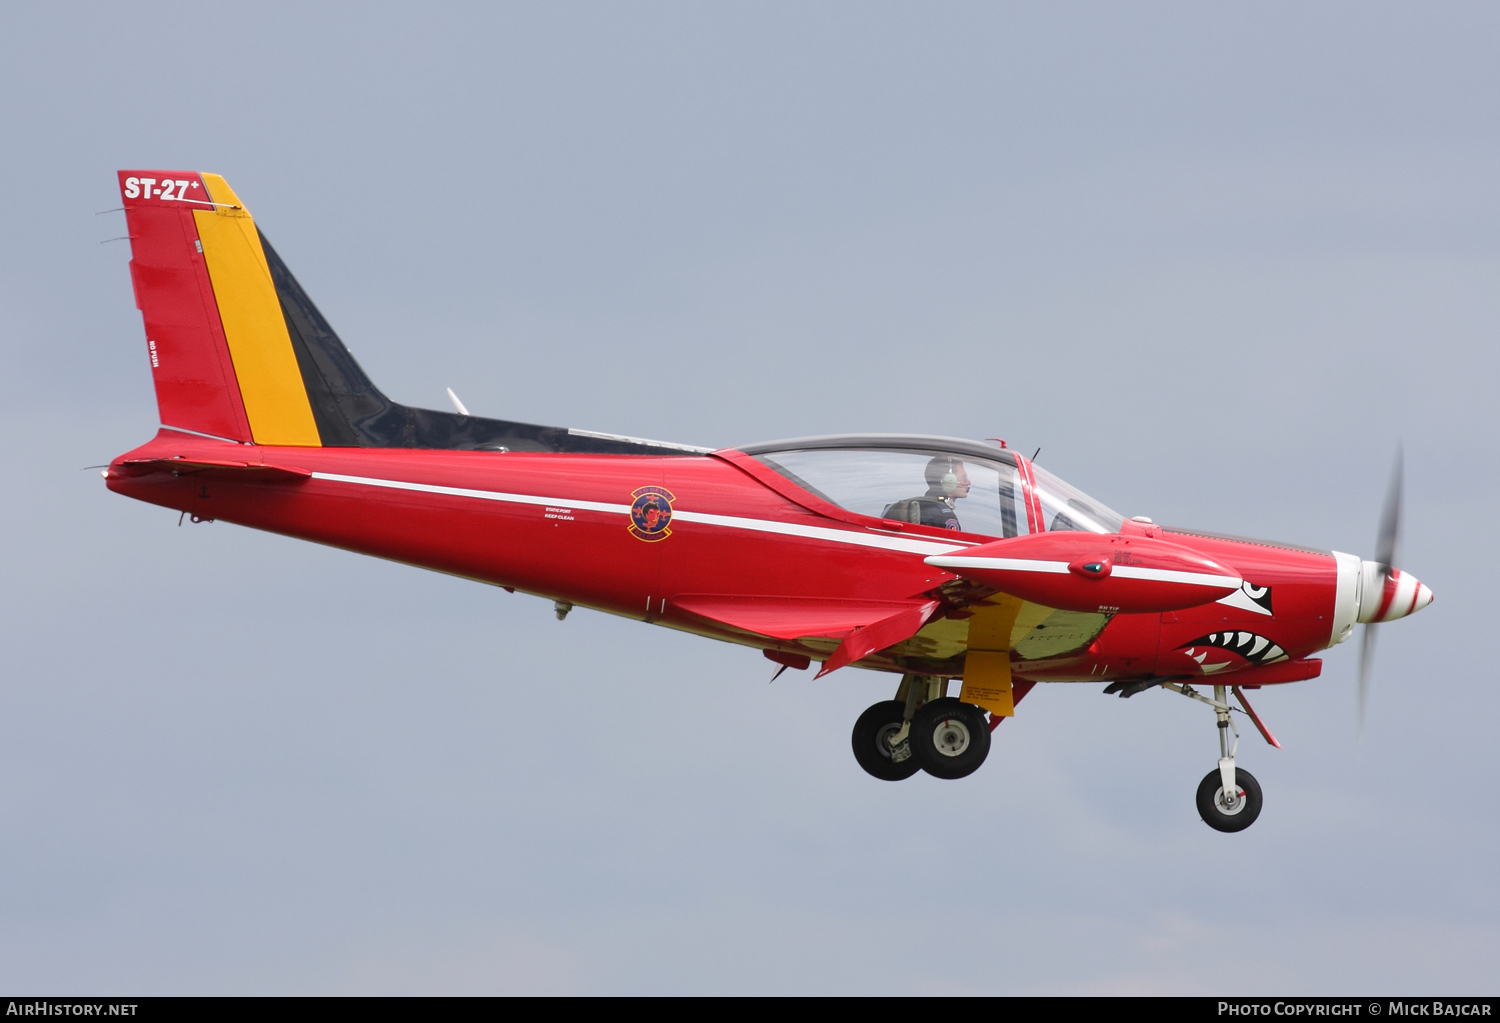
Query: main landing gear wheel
[[950, 738], [1235, 812], [872, 747]]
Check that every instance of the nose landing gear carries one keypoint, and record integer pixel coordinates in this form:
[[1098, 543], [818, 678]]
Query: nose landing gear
[[1229, 799]]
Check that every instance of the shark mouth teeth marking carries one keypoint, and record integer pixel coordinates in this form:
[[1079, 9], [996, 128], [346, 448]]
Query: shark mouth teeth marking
[[1253, 648]]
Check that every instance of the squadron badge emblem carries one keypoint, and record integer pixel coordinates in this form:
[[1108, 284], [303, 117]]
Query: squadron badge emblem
[[651, 513]]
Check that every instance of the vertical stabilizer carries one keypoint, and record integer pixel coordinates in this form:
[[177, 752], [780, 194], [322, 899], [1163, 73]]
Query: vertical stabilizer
[[221, 355]]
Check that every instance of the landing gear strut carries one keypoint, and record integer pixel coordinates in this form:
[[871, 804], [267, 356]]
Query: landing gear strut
[[1229, 799], [922, 729]]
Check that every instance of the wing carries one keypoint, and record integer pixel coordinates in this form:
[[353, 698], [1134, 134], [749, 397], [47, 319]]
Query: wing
[[864, 626]]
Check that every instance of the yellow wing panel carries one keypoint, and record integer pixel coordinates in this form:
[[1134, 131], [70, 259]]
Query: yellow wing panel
[[987, 663], [269, 378], [987, 682]]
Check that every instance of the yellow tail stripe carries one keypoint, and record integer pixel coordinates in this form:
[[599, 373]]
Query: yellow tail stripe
[[269, 378]]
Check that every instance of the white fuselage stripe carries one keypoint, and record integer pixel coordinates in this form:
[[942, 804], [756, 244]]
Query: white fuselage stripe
[[482, 495], [1167, 575], [1001, 564], [849, 536]]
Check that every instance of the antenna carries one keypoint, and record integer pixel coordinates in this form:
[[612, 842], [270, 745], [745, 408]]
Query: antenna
[[458, 406]]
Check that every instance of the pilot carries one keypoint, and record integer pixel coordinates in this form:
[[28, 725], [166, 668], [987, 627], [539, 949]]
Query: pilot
[[947, 482]]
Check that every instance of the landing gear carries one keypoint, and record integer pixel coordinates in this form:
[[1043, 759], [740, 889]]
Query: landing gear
[[1229, 810], [873, 748], [1229, 799], [922, 729]]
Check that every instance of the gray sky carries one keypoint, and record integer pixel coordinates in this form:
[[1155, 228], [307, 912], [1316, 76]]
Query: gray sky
[[1216, 260]]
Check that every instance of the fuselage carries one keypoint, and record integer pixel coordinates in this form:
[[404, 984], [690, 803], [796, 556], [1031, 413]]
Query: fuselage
[[568, 527]]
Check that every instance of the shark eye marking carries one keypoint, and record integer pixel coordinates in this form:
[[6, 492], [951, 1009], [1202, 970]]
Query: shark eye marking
[[1250, 597], [1252, 647]]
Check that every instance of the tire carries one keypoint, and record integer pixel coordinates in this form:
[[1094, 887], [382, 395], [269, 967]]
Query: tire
[[871, 749], [950, 738], [1237, 820]]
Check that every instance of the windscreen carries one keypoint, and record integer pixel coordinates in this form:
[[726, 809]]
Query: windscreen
[[1066, 507]]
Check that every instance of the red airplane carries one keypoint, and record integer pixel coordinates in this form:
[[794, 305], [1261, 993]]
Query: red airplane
[[930, 558]]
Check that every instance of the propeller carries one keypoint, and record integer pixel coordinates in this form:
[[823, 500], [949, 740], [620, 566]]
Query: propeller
[[1387, 550]]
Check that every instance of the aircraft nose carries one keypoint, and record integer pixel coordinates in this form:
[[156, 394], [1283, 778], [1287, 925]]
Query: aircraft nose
[[1395, 596]]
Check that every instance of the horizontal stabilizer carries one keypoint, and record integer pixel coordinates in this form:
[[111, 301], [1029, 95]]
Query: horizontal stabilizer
[[796, 617], [214, 469]]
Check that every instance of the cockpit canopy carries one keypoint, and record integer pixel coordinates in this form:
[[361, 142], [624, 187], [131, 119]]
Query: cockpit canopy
[[936, 481]]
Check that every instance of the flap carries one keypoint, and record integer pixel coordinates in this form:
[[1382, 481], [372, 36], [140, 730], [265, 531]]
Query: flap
[[793, 617], [890, 630]]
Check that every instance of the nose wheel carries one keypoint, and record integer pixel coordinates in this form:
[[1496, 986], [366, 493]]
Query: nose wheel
[[1234, 809]]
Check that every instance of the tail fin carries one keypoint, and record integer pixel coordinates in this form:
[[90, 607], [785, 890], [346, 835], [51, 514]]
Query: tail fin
[[239, 351], [221, 354]]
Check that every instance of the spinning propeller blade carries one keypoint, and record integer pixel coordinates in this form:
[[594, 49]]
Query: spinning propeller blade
[[1387, 550], [1388, 542], [1366, 660]]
